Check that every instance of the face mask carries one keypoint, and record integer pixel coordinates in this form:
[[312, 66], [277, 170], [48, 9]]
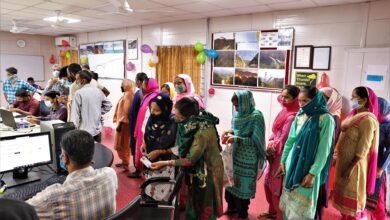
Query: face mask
[[12, 77], [48, 103], [56, 73], [180, 88], [122, 89], [355, 104], [62, 164]]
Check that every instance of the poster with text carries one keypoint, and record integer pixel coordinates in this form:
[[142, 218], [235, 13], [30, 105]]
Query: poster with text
[[305, 79]]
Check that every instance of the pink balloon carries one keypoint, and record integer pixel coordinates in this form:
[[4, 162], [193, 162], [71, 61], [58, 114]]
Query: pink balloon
[[107, 130], [146, 48], [130, 66], [155, 59]]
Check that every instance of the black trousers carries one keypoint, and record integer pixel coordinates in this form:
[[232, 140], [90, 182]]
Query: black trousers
[[98, 138], [241, 205]]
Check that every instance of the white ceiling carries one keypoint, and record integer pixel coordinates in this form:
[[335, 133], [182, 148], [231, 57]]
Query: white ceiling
[[94, 17]]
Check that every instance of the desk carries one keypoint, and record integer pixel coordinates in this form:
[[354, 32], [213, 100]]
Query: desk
[[6, 131], [103, 157]]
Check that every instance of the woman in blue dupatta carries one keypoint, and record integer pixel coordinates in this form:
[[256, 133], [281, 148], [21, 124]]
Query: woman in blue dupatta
[[306, 156], [248, 139]]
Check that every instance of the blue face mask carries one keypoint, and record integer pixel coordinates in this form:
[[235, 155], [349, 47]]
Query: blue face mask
[[48, 103], [62, 164], [180, 88]]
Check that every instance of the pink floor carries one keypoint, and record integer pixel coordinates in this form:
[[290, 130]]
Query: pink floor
[[129, 188]]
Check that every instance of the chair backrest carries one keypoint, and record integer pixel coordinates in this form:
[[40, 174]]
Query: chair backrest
[[126, 211]]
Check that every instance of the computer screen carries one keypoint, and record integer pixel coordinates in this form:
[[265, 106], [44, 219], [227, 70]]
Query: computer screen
[[28, 150]]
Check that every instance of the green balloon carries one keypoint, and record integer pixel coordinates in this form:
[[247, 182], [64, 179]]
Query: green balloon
[[201, 57], [68, 55], [198, 46]]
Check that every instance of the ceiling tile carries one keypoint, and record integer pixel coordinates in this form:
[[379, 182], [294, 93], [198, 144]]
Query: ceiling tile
[[233, 3], [174, 2], [198, 7], [55, 6], [11, 5], [218, 13], [83, 3], [253, 9], [292, 5], [23, 2]]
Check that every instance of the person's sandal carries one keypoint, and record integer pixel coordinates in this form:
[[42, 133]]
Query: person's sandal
[[118, 164], [267, 215]]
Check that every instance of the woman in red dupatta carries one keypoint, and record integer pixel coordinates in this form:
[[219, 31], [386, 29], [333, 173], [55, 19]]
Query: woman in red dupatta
[[356, 152]]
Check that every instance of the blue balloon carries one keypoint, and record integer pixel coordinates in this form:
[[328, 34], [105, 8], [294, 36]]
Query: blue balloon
[[212, 54], [207, 51]]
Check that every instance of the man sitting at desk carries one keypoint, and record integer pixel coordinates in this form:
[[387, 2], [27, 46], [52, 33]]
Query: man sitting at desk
[[25, 104], [58, 111], [86, 193]]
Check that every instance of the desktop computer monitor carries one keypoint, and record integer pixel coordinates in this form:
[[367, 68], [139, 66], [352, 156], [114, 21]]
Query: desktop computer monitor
[[22, 152]]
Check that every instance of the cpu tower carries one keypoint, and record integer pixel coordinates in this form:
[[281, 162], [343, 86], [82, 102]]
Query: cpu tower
[[57, 129]]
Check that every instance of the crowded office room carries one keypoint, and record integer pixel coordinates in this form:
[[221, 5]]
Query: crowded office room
[[195, 109]]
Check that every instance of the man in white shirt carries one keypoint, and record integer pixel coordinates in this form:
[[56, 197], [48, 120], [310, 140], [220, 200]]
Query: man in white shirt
[[86, 193], [88, 105]]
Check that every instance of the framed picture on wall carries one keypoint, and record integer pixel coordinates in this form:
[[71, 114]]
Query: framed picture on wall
[[303, 57], [321, 58]]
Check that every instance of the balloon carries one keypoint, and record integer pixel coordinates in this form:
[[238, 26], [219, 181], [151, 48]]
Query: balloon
[[83, 60], [107, 130], [155, 59], [198, 46], [212, 54], [52, 59], [68, 55], [211, 91], [201, 57], [130, 66], [151, 64], [146, 48], [65, 43]]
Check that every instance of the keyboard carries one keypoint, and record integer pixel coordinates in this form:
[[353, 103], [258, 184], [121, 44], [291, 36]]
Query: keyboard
[[31, 190]]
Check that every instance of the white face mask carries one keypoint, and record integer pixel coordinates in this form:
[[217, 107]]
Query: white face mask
[[355, 104], [48, 103], [56, 73]]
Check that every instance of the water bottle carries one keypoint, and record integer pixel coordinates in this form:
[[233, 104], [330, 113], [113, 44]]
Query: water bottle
[[22, 124]]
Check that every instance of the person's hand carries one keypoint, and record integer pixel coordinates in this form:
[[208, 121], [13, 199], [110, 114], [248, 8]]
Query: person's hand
[[32, 119], [158, 165], [308, 181], [230, 140], [280, 171], [53, 81], [12, 109], [270, 151], [119, 127], [154, 155], [227, 133], [348, 173], [143, 148], [379, 173]]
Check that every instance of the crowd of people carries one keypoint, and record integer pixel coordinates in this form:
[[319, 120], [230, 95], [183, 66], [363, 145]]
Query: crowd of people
[[170, 126]]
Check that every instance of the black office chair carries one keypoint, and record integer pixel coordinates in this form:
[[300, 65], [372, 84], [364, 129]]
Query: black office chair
[[144, 207]]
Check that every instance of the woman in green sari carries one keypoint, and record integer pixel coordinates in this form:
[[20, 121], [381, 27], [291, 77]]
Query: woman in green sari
[[199, 151], [306, 156], [249, 155]]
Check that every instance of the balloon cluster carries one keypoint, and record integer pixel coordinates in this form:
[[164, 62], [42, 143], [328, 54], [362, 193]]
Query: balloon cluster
[[66, 44], [203, 53], [145, 48]]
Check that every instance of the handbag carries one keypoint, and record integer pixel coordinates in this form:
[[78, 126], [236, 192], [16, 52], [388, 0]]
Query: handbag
[[227, 158]]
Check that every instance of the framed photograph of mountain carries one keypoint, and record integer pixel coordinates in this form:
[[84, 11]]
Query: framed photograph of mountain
[[256, 60]]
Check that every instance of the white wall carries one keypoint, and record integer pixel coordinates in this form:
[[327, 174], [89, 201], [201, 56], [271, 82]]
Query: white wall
[[342, 27], [35, 45]]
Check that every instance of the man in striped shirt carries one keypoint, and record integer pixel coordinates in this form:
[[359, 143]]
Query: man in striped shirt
[[86, 193]]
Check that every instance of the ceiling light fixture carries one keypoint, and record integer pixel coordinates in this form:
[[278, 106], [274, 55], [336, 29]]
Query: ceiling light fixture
[[61, 19]]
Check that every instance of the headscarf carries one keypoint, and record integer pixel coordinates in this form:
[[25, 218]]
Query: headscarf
[[160, 131], [249, 121], [289, 109], [149, 93], [190, 90], [373, 154], [372, 103], [335, 101], [172, 91], [185, 136], [308, 139], [383, 110]]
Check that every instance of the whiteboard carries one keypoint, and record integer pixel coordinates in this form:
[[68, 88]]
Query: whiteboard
[[109, 65], [27, 66]]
